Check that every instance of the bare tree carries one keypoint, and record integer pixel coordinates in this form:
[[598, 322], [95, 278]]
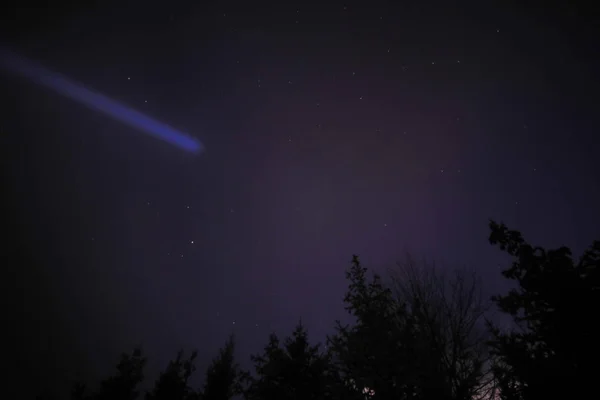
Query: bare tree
[[448, 316]]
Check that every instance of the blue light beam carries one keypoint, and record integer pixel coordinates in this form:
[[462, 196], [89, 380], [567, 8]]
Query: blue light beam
[[17, 65]]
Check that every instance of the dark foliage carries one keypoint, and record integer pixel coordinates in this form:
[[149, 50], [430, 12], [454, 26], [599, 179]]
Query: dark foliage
[[554, 349], [172, 384], [376, 354], [220, 383], [222, 375], [294, 371], [124, 384]]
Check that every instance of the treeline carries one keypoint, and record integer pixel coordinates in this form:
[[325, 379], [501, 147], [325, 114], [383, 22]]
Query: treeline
[[418, 334]]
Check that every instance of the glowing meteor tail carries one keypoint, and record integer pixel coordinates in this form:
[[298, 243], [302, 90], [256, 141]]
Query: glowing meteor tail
[[17, 65]]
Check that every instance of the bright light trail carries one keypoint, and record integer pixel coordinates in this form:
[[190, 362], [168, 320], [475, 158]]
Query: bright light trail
[[20, 66]]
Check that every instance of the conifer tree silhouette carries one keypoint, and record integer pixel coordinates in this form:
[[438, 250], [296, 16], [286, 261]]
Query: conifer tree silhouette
[[294, 370], [222, 375]]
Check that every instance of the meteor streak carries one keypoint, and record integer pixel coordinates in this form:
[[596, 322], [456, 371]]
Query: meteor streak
[[20, 66]]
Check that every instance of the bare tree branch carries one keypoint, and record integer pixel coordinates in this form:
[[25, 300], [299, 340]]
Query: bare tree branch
[[448, 311]]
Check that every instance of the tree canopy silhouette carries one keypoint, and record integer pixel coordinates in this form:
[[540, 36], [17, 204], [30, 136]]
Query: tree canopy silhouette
[[295, 370], [416, 336], [172, 383], [554, 347], [420, 336], [222, 375], [124, 384], [375, 355]]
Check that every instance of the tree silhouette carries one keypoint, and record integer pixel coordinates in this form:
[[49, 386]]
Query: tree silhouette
[[417, 338], [123, 385], [294, 371], [375, 355], [222, 375], [447, 310], [172, 384], [554, 348]]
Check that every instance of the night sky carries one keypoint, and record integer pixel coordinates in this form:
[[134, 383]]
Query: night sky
[[370, 128]]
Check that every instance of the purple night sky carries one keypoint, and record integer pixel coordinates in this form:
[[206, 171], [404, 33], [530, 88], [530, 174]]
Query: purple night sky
[[367, 128]]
